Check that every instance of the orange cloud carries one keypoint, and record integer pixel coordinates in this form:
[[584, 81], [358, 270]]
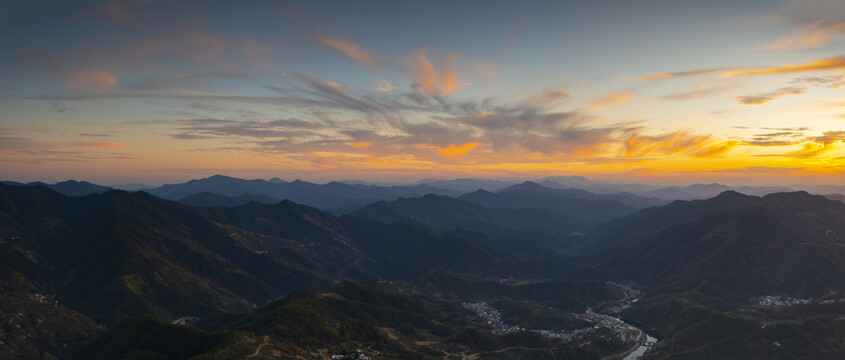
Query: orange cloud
[[812, 148], [451, 82], [335, 86], [349, 49], [425, 73], [717, 149], [90, 78], [818, 65], [101, 144], [666, 144], [769, 96], [551, 95], [455, 152], [361, 144], [678, 74], [818, 33], [434, 82], [384, 85], [609, 100]]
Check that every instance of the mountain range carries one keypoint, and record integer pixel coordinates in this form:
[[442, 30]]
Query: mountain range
[[722, 277]]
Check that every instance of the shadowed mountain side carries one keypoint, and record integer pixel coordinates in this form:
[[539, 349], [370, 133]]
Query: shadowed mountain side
[[632, 200], [732, 247], [442, 212], [379, 320], [212, 199], [119, 254]]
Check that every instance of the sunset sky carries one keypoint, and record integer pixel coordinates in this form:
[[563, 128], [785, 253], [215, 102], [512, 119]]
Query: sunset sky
[[674, 91]]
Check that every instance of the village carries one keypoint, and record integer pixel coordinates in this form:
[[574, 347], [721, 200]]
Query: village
[[492, 318]]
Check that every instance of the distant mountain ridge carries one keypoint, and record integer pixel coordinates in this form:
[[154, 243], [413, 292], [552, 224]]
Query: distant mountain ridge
[[522, 207], [331, 196], [69, 187]]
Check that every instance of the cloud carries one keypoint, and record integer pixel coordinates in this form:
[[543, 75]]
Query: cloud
[[435, 82], [809, 10], [349, 49], [456, 152], [761, 170], [450, 81], [59, 107], [88, 78], [663, 144], [831, 81], [609, 100], [119, 11], [699, 92], [815, 35], [717, 149], [833, 63], [195, 129], [552, 95], [829, 141], [485, 70], [384, 86], [361, 144], [763, 98], [671, 75], [424, 73], [100, 144]]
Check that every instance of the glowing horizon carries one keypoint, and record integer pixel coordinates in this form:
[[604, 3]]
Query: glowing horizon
[[664, 92]]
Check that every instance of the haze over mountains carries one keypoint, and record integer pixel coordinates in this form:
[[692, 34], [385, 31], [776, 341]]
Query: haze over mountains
[[402, 267], [348, 195]]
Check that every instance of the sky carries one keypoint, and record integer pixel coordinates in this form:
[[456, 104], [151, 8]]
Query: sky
[[675, 91]]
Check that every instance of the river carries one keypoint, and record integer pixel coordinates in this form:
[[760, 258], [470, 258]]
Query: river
[[640, 350]]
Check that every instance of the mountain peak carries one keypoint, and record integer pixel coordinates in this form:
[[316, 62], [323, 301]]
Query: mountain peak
[[527, 186]]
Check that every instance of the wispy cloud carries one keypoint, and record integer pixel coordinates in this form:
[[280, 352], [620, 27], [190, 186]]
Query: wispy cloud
[[763, 98], [349, 49], [87, 78], [831, 81], [664, 144], [671, 75], [384, 85], [100, 144], [456, 152], [716, 149], [833, 63], [699, 92], [812, 36], [609, 100]]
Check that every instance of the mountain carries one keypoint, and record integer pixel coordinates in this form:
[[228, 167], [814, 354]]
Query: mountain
[[733, 246], [118, 254], [837, 197], [69, 187], [212, 199], [690, 192], [706, 267], [131, 187], [532, 193], [336, 196], [353, 319], [443, 212], [526, 207], [469, 184]]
